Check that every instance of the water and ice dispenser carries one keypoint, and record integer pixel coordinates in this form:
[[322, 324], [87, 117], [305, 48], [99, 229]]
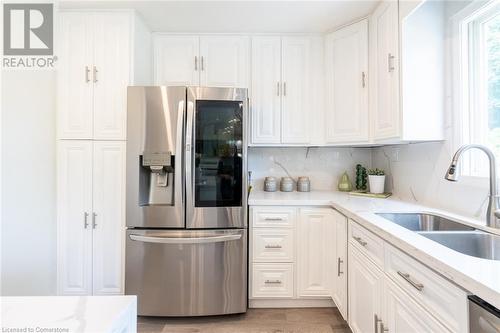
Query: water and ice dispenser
[[157, 178]]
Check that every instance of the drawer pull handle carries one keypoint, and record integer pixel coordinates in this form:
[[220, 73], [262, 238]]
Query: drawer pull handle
[[273, 219], [360, 240], [408, 279], [339, 261], [273, 246], [272, 282]]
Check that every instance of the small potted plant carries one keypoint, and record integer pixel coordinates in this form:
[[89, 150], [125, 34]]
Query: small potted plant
[[376, 179]]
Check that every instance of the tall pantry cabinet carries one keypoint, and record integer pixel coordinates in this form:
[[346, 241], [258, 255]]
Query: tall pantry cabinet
[[100, 54]]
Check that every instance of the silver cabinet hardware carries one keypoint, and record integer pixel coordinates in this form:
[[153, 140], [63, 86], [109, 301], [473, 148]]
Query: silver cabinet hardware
[[94, 224], [202, 63], [376, 321], [272, 282], [87, 71], [339, 261], [195, 63], [382, 328], [390, 62], [273, 219], [408, 279], [95, 74], [85, 222], [273, 246], [284, 88], [360, 240], [363, 79], [278, 89]]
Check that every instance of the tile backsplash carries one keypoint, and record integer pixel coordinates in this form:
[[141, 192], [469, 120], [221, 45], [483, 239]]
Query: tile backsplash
[[323, 165]]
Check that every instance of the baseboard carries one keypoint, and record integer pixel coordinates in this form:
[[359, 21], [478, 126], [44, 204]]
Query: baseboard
[[291, 303]]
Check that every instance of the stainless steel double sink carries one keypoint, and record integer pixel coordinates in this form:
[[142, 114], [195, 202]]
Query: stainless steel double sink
[[450, 233]]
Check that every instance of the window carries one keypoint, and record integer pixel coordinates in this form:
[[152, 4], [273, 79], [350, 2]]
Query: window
[[479, 83]]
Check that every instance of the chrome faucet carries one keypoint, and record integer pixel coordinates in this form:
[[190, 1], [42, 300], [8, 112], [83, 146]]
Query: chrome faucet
[[493, 213]]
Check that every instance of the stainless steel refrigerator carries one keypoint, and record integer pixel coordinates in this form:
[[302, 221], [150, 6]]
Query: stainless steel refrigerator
[[186, 239]]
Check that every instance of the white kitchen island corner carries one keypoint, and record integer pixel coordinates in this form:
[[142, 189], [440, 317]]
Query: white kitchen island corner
[[68, 314]]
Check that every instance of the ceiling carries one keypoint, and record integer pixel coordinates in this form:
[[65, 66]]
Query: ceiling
[[239, 16]]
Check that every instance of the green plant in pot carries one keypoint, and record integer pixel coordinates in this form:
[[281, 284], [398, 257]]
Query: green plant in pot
[[361, 178], [376, 180]]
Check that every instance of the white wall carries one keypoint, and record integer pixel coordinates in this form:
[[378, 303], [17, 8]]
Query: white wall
[[323, 166], [28, 228]]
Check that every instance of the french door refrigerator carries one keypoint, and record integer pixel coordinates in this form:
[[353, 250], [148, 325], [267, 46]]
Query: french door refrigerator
[[186, 239]]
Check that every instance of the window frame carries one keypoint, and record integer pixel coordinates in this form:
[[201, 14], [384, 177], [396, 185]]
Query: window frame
[[468, 87]]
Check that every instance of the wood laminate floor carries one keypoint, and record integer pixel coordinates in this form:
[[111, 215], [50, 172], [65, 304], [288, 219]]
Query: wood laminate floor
[[303, 320]]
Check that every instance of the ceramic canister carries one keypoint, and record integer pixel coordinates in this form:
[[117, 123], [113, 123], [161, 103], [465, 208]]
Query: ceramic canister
[[270, 184], [303, 184], [286, 184]]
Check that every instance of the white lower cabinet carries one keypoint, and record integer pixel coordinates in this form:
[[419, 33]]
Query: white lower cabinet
[[339, 284], [90, 219], [315, 245], [365, 293], [402, 314], [291, 250], [398, 294]]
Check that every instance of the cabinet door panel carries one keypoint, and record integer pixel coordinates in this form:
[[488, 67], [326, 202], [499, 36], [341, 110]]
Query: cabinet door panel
[[365, 292], [386, 87], [74, 206], [74, 114], [404, 315], [346, 84], [340, 272], [224, 61], [314, 252], [176, 60], [296, 107], [109, 210], [111, 74], [265, 92]]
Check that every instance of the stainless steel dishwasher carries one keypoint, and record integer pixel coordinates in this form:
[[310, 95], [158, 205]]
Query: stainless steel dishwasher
[[483, 317]]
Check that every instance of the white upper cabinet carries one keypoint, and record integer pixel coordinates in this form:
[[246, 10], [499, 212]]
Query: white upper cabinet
[[346, 64], [314, 252], [385, 57], [75, 95], [296, 103], [108, 217], [407, 52], [266, 90], [211, 61], [282, 100], [74, 209], [95, 69], [176, 60], [224, 61], [111, 75]]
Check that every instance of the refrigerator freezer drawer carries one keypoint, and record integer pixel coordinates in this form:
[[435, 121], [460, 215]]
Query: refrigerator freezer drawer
[[187, 272]]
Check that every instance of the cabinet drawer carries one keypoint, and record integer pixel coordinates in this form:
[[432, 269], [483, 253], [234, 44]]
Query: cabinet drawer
[[367, 242], [272, 281], [440, 297], [273, 245], [273, 217]]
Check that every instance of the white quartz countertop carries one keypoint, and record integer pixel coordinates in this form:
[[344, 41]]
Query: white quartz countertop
[[67, 313], [480, 277]]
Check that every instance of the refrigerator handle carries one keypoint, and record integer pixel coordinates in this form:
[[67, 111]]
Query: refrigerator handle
[[182, 240], [179, 186], [188, 153]]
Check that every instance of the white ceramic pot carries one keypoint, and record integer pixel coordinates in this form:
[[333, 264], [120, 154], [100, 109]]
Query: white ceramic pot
[[376, 183]]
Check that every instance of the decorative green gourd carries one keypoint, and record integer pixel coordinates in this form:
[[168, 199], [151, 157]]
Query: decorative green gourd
[[344, 183], [361, 178]]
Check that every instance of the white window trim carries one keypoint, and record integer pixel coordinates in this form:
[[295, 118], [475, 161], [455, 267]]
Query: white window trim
[[461, 102]]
